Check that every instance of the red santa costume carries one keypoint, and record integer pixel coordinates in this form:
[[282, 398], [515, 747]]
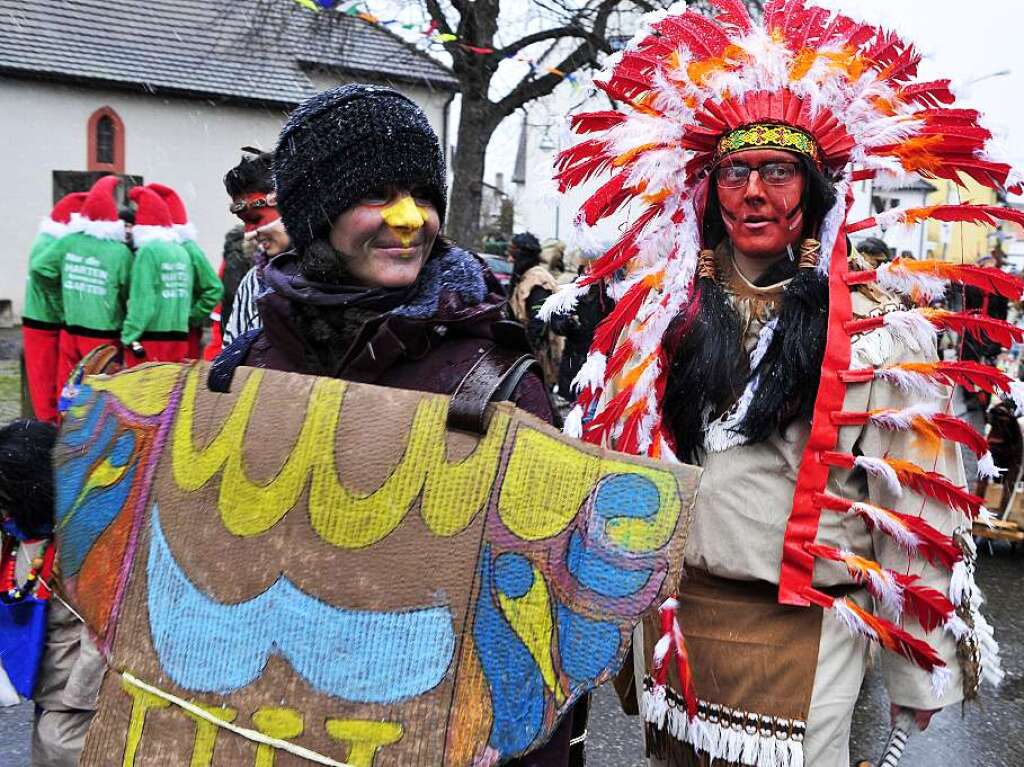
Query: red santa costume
[[43, 315]]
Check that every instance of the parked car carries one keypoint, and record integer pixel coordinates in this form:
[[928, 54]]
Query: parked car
[[502, 269]]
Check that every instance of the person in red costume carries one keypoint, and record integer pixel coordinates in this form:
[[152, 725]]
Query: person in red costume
[[43, 315]]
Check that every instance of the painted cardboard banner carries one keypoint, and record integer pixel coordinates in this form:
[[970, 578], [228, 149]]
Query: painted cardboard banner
[[325, 564]]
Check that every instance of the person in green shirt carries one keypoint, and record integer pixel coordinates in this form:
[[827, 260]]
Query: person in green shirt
[[92, 266], [43, 314], [160, 299], [206, 286]]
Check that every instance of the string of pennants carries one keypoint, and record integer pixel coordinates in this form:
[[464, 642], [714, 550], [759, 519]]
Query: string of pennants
[[429, 33]]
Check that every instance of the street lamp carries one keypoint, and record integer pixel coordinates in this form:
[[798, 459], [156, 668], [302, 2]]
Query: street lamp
[[990, 76]]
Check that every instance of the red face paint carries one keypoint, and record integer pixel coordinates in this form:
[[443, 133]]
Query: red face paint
[[763, 219], [257, 212]]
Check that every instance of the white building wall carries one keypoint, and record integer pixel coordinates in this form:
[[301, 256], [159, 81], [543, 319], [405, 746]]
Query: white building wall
[[186, 143], [538, 206]]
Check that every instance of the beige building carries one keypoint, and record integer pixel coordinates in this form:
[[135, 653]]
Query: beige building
[[170, 92]]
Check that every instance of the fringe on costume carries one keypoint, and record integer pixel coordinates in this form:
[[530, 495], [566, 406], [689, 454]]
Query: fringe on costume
[[730, 735], [977, 649]]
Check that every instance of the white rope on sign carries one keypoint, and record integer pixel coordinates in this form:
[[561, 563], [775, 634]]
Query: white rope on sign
[[246, 733]]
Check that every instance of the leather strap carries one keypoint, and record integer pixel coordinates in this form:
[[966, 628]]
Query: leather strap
[[493, 378]]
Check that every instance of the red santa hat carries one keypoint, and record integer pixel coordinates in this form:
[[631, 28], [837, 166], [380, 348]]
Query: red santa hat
[[98, 217], [152, 217], [179, 216], [57, 223]]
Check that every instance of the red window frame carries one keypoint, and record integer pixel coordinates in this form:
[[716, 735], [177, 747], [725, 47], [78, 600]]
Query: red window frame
[[93, 163]]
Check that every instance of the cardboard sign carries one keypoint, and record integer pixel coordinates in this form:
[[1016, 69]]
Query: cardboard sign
[[307, 570]]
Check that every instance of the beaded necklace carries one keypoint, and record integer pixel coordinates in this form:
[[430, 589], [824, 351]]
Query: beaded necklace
[[39, 573]]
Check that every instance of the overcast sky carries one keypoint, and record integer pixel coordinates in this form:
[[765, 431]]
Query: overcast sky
[[964, 40]]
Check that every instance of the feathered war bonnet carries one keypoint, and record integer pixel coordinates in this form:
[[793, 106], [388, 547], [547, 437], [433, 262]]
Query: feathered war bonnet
[[691, 89]]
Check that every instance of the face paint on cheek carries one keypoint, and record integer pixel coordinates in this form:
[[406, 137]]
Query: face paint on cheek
[[406, 218], [252, 233]]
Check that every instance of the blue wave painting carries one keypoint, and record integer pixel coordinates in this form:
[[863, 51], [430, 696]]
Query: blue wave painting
[[356, 655]]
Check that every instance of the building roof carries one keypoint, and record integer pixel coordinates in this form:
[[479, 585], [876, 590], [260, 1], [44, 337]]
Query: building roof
[[917, 185], [239, 50]]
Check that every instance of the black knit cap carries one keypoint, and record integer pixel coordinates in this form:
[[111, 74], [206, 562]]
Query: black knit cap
[[345, 142]]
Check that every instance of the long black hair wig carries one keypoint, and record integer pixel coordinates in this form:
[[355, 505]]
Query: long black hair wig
[[709, 370]]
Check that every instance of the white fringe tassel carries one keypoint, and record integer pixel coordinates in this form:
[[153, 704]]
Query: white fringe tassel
[[720, 739]]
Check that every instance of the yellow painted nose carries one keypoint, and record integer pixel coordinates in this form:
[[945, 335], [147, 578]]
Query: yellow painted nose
[[404, 214]]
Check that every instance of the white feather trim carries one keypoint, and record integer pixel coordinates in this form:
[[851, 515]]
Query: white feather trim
[[882, 585], [893, 278], [562, 301], [661, 650], [877, 467], [985, 516], [987, 468], [145, 234], [960, 582], [585, 238], [956, 626], [904, 538], [830, 227], [101, 230], [941, 676], [851, 620], [53, 228], [917, 385], [889, 218], [892, 181], [913, 329], [991, 663], [591, 374], [186, 232], [1017, 395], [903, 420], [574, 423]]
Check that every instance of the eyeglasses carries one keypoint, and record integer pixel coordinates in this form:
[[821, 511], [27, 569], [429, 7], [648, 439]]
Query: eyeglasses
[[270, 201], [773, 173]]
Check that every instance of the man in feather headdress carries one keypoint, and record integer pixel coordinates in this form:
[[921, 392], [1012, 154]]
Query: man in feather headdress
[[832, 511]]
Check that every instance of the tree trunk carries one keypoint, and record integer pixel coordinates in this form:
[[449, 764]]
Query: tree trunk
[[476, 124]]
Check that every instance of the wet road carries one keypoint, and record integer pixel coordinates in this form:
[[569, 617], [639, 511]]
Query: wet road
[[987, 735]]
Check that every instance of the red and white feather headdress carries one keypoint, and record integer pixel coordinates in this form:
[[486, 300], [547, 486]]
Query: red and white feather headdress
[[692, 88], [686, 83]]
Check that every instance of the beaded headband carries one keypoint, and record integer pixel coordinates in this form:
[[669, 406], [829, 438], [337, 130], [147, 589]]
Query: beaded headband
[[767, 136]]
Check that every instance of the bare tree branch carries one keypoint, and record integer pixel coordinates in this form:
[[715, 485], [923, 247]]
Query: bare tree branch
[[585, 54], [584, 25], [540, 37]]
